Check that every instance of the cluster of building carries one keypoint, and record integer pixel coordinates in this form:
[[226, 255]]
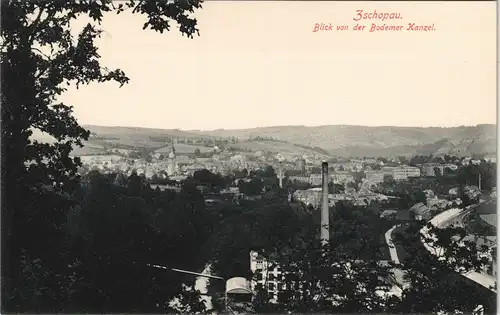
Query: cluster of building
[[339, 177], [313, 197], [173, 166], [429, 169], [268, 274], [300, 168], [397, 173]]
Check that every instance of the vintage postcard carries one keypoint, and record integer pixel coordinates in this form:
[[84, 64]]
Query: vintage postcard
[[237, 157]]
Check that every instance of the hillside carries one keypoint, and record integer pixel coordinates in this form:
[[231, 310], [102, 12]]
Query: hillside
[[106, 138], [156, 138], [182, 148], [338, 140], [135, 133], [378, 141], [282, 147]]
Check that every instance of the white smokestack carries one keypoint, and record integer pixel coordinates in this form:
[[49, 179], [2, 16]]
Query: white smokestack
[[325, 218], [280, 177]]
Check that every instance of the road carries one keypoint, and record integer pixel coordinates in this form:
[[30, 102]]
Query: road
[[398, 274], [392, 248]]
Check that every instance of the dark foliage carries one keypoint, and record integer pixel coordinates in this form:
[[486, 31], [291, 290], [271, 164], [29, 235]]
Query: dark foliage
[[40, 58]]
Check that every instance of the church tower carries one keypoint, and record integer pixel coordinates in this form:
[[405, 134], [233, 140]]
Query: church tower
[[172, 163]]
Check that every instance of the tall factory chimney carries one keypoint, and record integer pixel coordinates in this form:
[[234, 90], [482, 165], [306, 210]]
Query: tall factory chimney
[[325, 217], [280, 177]]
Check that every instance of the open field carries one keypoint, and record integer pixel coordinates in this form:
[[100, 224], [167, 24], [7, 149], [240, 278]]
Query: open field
[[88, 149], [127, 142], [181, 148], [274, 146]]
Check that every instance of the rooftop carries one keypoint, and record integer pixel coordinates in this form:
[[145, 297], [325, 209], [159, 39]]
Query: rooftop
[[419, 208]]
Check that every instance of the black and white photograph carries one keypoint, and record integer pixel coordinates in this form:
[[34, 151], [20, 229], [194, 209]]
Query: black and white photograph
[[248, 157]]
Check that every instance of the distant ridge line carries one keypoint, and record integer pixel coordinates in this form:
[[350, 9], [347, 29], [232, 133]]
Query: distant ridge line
[[287, 126]]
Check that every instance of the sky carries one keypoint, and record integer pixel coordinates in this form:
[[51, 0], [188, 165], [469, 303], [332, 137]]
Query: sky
[[260, 64]]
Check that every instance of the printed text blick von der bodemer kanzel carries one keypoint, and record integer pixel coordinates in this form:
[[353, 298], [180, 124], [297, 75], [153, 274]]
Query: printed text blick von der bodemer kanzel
[[374, 15]]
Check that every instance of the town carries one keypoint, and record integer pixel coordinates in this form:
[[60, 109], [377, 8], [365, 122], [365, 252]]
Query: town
[[156, 161], [394, 191]]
